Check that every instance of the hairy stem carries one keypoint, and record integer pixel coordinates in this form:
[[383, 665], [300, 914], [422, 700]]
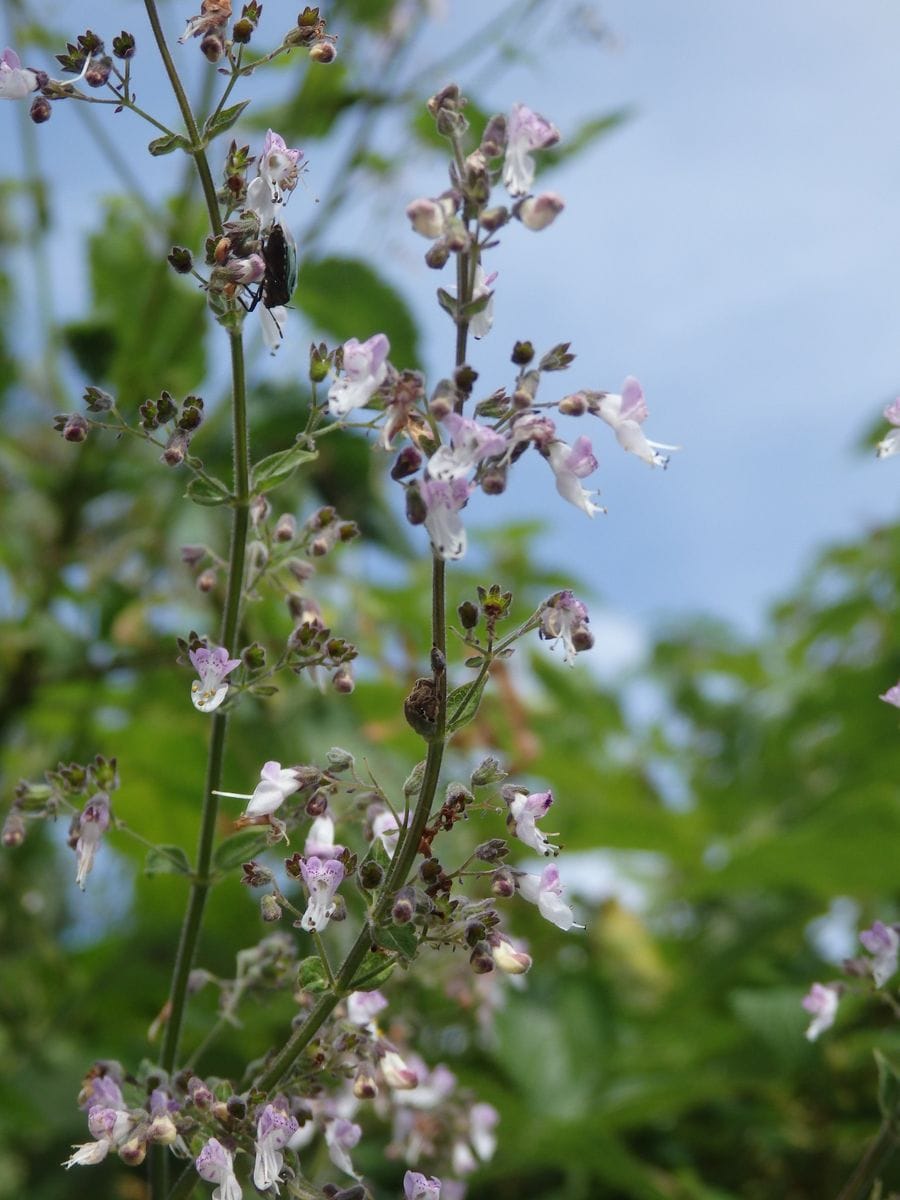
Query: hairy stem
[[875, 1159]]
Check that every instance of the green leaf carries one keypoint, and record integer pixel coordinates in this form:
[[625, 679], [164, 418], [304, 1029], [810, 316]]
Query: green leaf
[[269, 472], [448, 303], [345, 297], [403, 939], [207, 491], [166, 860], [463, 702], [374, 971], [225, 119], [312, 976], [888, 1087], [168, 143], [237, 849]]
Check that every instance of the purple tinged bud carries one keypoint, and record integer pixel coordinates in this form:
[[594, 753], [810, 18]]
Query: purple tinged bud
[[492, 851], [503, 885], [416, 509], [75, 428], [364, 1086], [176, 448], [259, 510], [426, 217], [322, 52], [481, 960], [493, 480], [98, 73], [206, 580], [192, 555], [407, 463], [493, 140], [575, 405], [199, 1093], [41, 110], [269, 908], [475, 933], [436, 256], [404, 907], [342, 681], [13, 830], [493, 219], [212, 47], [133, 1152], [285, 528]]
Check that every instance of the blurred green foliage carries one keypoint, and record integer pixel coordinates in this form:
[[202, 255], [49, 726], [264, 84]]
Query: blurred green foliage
[[659, 1055]]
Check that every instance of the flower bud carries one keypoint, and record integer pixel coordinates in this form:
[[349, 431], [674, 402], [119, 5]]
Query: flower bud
[[522, 353], [317, 804], [492, 850], [199, 1092], [481, 960], [370, 874], [442, 400], [447, 97], [133, 1152], [242, 31], [364, 1086], [407, 462], [426, 217], [41, 110], [285, 528], [212, 47], [537, 212], [13, 833], [430, 870], [97, 400], [415, 506], [493, 480], [301, 571], [98, 73], [237, 1108], [269, 908], [340, 909], [162, 1130], [342, 681], [404, 907], [75, 429], [259, 510], [575, 405], [503, 884], [436, 256], [124, 45], [493, 140], [254, 656], [493, 219], [475, 933], [206, 580], [176, 448], [510, 960], [323, 52], [340, 760], [468, 614]]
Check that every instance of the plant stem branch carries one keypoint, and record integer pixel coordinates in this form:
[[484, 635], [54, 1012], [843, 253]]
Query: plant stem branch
[[876, 1157]]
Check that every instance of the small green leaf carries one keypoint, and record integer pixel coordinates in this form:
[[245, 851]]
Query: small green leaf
[[448, 303], [888, 1087], [166, 860], [403, 939], [207, 491], [224, 120], [269, 472], [238, 848], [374, 971], [312, 976], [463, 702], [168, 143], [263, 689]]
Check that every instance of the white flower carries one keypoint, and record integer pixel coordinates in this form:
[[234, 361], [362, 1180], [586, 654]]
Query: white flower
[[883, 942], [822, 1001], [341, 1136], [570, 464], [279, 170], [365, 369], [480, 325], [526, 131], [364, 1007], [386, 829], [16, 81], [524, 811], [545, 890], [109, 1127], [890, 444], [443, 502], [322, 877], [397, 1074], [271, 325], [276, 783], [483, 1119], [320, 839], [274, 1129], [208, 692], [469, 444], [92, 824], [626, 413]]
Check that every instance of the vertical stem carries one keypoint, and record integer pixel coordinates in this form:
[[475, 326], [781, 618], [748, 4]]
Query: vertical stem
[[876, 1157]]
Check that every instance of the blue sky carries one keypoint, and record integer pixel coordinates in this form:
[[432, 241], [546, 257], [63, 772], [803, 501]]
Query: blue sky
[[735, 246]]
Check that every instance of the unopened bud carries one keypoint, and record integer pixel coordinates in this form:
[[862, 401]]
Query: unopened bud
[[404, 907], [339, 912], [522, 353], [493, 219], [416, 510], [323, 52], [207, 580], [575, 405], [447, 97], [426, 217], [133, 1152], [98, 73], [212, 47], [442, 399], [492, 850], [317, 804], [510, 960], [370, 874], [41, 110], [364, 1086], [199, 1092], [481, 960], [162, 1131], [13, 830], [75, 429], [339, 760], [430, 870], [537, 212], [176, 448], [301, 570], [475, 933], [124, 45], [254, 656], [468, 614], [285, 528], [269, 908], [342, 681], [493, 480], [407, 462], [237, 1108], [242, 31], [259, 510], [503, 884], [436, 256]]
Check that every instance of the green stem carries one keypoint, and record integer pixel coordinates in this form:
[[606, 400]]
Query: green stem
[[876, 1157]]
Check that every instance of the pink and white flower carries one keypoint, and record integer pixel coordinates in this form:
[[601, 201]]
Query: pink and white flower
[[364, 1007], [320, 841], [417, 1186], [93, 822], [481, 323], [625, 414], [109, 1127], [526, 131], [570, 464], [16, 81], [892, 695], [443, 502], [386, 828], [341, 1136], [429, 217], [322, 878], [470, 443], [524, 811], [545, 890], [508, 957], [564, 617], [215, 1164], [276, 783], [208, 692], [483, 1119], [890, 443], [397, 1074], [279, 170], [274, 1129], [883, 942], [822, 1002], [365, 369]]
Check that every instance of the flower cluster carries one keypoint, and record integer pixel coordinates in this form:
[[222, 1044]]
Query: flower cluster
[[883, 944]]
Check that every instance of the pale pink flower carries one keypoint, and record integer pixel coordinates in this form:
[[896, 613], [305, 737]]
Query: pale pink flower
[[822, 1002], [570, 464], [564, 617], [215, 1164], [892, 695], [537, 212], [890, 444], [16, 81], [322, 878], [625, 414], [526, 131], [883, 942], [470, 443], [524, 811], [341, 1136], [417, 1186], [365, 369], [208, 692], [443, 502], [93, 822], [545, 890]]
